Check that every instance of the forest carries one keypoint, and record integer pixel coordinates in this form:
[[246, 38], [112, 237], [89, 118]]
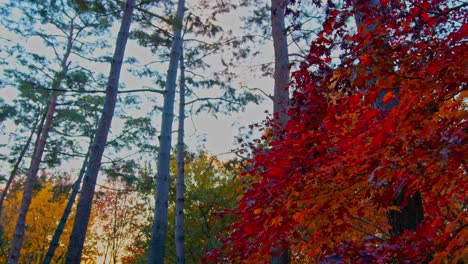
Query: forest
[[244, 131]]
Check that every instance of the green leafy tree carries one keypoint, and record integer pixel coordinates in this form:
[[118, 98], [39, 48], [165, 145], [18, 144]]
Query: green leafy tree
[[211, 186]]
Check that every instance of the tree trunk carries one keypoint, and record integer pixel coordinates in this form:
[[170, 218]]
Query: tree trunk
[[159, 230], [281, 75], [409, 216], [281, 91], [61, 226], [83, 210], [13, 172], [180, 186], [41, 140], [36, 158], [412, 214]]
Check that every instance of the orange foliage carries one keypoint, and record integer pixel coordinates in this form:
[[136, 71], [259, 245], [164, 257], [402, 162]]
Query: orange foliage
[[360, 135]]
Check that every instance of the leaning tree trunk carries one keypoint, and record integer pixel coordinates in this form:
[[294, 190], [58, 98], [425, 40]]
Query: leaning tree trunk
[[41, 140], [281, 92], [39, 122], [159, 229], [409, 216], [83, 210], [20, 227], [180, 185], [66, 213]]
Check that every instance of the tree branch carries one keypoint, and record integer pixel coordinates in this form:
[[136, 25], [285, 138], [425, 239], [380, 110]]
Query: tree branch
[[211, 98], [260, 90], [367, 233], [369, 223], [103, 91]]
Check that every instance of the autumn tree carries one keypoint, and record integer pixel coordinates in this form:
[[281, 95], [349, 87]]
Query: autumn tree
[[283, 33], [54, 242], [49, 199], [352, 153], [119, 211]]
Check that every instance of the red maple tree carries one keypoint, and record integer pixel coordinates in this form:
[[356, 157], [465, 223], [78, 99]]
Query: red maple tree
[[383, 127]]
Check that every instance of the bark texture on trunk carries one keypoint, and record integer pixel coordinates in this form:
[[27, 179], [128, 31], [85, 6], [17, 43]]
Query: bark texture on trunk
[[66, 213], [159, 229], [281, 88], [281, 75], [83, 209], [180, 185]]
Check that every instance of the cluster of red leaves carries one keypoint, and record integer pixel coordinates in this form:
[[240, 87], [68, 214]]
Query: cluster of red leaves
[[390, 118]]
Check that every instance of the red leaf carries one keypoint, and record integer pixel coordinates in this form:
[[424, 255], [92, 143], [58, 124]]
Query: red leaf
[[370, 114], [432, 69], [365, 60], [388, 97]]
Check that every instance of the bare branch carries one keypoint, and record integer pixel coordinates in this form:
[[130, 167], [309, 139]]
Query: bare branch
[[260, 90], [367, 233], [369, 223], [212, 98], [298, 55], [103, 91]]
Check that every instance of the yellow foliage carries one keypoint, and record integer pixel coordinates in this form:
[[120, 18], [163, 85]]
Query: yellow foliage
[[42, 219]]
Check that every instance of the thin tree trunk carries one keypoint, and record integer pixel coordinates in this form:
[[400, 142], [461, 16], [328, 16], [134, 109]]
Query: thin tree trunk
[[39, 122], [61, 226], [281, 91], [83, 211], [281, 75], [36, 159], [159, 229], [180, 185], [18, 236], [107, 251], [408, 217], [114, 235]]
